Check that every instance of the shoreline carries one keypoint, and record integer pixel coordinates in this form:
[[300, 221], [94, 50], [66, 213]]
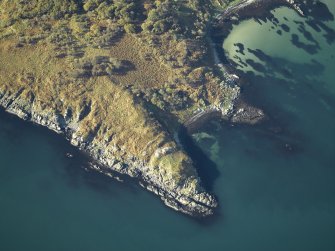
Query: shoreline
[[242, 112], [198, 203]]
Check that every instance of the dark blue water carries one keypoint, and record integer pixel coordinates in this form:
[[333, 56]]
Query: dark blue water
[[275, 184]]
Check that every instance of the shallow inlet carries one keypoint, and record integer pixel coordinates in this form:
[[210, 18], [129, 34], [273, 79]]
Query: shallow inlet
[[276, 186]]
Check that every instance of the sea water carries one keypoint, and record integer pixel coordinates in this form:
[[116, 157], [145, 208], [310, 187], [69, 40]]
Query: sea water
[[275, 182]]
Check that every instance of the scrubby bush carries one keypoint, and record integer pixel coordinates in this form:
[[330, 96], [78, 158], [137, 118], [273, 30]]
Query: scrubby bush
[[125, 11], [101, 36], [100, 66], [130, 28], [162, 18], [168, 98], [79, 24], [90, 5], [25, 9]]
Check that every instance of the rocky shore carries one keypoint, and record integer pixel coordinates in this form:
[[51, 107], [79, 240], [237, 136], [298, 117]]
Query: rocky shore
[[256, 8], [186, 193], [241, 112], [185, 197]]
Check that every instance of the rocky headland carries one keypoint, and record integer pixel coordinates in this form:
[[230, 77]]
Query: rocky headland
[[122, 99]]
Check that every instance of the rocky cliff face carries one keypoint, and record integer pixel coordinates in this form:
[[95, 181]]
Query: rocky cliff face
[[183, 194]]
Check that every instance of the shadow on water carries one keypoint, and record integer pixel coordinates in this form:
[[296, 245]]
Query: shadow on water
[[75, 166], [206, 168]]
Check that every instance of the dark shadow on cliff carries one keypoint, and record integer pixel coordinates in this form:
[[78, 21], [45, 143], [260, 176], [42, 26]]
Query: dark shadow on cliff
[[205, 167]]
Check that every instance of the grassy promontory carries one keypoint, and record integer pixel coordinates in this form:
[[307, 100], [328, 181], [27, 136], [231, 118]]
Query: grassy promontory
[[118, 78]]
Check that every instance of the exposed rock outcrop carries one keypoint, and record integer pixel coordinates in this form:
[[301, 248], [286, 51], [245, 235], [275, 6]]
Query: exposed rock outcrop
[[183, 194]]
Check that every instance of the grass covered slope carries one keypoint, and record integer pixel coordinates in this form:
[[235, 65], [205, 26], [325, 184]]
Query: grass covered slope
[[117, 78]]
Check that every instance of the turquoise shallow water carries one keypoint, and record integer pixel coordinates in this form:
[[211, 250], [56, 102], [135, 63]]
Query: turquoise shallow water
[[276, 189]]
